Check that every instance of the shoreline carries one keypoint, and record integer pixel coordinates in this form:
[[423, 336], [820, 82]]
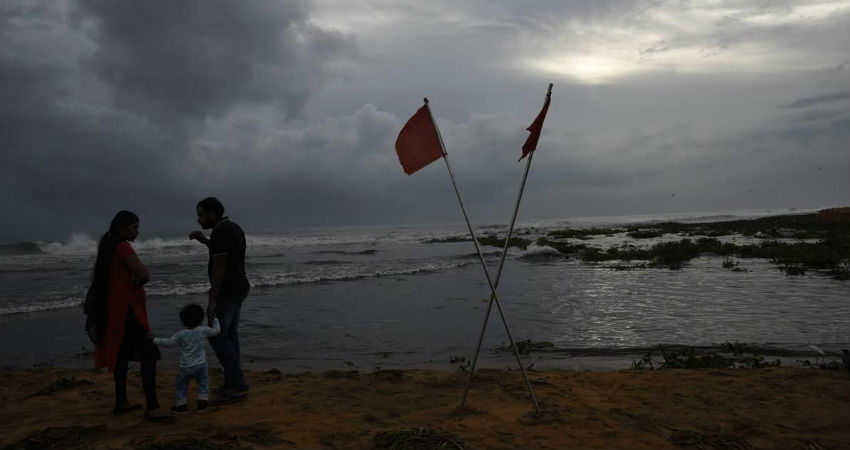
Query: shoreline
[[672, 408], [70, 349]]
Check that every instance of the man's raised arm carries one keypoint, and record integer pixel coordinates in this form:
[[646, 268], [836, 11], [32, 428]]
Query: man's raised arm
[[200, 237]]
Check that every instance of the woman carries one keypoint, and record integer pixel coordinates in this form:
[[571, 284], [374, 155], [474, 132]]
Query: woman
[[126, 328]]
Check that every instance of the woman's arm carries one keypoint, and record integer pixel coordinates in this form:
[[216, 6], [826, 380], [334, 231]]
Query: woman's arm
[[137, 269]]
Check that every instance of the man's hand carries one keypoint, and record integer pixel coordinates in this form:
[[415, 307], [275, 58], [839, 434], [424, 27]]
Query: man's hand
[[198, 236]]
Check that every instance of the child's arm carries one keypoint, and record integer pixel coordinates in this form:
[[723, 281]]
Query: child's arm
[[167, 341], [215, 330]]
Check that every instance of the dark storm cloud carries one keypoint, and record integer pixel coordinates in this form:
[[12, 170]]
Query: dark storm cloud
[[818, 100], [193, 59], [100, 99], [288, 111]]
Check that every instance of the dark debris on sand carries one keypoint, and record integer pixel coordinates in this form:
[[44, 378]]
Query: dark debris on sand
[[70, 438], [417, 439], [61, 384], [253, 434], [187, 444], [546, 416], [341, 374], [709, 441]]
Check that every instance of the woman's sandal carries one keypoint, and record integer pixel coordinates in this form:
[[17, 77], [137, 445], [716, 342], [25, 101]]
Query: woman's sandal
[[125, 408], [159, 416]]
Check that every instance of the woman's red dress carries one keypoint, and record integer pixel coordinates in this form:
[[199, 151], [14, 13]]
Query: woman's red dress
[[122, 296]]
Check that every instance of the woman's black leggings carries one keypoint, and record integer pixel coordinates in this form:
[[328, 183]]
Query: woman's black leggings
[[135, 340]]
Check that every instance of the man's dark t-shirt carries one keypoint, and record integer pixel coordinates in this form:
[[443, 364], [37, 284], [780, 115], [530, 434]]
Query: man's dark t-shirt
[[228, 239]]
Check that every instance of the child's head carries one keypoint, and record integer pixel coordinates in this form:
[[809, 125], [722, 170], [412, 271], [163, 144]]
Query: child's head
[[192, 315]]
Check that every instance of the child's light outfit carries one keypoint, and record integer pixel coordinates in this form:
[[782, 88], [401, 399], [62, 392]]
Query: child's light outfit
[[193, 360]]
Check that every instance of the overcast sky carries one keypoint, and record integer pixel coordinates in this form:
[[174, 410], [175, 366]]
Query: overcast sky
[[288, 111]]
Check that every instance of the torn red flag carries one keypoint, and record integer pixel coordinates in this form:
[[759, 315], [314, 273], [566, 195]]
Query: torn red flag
[[536, 127], [418, 143]]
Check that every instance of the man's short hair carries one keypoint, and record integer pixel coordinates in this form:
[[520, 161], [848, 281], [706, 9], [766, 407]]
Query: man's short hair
[[211, 204]]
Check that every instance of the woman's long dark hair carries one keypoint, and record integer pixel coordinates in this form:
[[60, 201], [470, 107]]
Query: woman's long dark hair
[[106, 248]]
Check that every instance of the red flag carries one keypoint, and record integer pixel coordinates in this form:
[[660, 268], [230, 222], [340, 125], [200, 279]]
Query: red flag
[[417, 144], [535, 127]]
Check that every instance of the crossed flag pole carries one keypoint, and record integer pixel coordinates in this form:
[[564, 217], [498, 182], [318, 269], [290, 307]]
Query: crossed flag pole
[[420, 143]]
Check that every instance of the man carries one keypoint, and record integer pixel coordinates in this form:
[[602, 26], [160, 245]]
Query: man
[[228, 289]]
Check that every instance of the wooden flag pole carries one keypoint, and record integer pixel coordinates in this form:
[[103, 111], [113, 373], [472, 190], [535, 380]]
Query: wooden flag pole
[[496, 285], [493, 295], [498, 277]]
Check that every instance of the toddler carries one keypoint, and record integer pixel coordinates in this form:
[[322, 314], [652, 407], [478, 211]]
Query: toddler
[[193, 359]]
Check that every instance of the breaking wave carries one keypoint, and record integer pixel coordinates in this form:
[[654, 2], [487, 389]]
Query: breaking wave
[[262, 281], [540, 252], [79, 244], [288, 278]]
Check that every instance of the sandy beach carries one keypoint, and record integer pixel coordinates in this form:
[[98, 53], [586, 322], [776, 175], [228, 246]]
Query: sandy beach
[[722, 409]]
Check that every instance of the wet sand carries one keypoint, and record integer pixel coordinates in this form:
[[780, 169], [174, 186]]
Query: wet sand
[[730, 408]]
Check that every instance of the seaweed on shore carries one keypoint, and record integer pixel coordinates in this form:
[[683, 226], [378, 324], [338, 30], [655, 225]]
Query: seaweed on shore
[[463, 365], [798, 226], [645, 234], [820, 225], [830, 256], [736, 347], [793, 270], [671, 255], [527, 346], [448, 239], [582, 233], [832, 364], [496, 241], [691, 360], [742, 355], [625, 267], [565, 248], [841, 273]]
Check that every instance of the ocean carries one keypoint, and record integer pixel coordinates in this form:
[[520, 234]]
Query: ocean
[[363, 298]]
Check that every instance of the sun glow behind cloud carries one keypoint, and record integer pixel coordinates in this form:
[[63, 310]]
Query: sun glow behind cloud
[[594, 68], [705, 37]]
